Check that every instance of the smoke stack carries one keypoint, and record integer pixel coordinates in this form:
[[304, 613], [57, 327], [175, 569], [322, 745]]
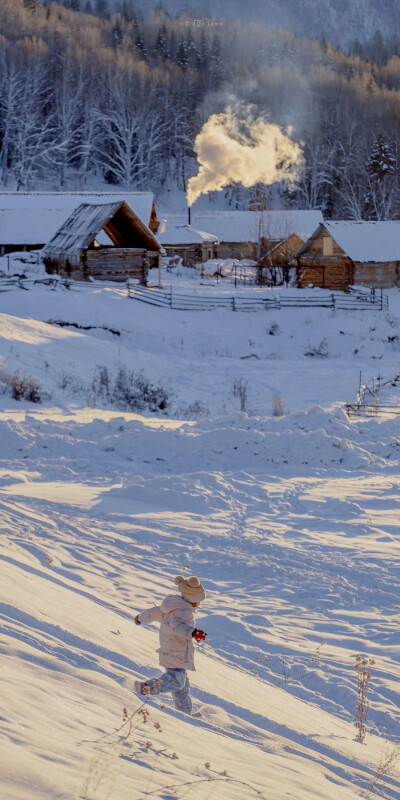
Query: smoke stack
[[189, 215]]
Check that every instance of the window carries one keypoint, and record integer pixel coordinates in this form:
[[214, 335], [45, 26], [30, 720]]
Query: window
[[327, 246]]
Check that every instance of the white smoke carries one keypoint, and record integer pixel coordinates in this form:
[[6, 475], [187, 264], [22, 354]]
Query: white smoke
[[238, 146]]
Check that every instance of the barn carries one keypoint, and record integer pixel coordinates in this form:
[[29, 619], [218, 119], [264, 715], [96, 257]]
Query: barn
[[343, 253], [75, 250], [29, 219], [191, 245], [249, 234]]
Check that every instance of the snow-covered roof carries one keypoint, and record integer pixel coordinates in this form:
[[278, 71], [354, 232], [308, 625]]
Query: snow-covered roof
[[180, 234], [367, 241], [34, 218], [120, 222], [304, 237], [246, 226]]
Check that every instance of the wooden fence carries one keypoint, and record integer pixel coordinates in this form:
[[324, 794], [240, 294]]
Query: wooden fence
[[367, 403], [168, 298], [7, 284], [356, 300]]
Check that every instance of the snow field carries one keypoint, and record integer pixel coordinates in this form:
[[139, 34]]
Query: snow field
[[292, 523], [197, 357]]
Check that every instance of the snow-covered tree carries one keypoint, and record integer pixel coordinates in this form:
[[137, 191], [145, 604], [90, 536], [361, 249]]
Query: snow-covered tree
[[382, 183], [162, 48], [217, 67], [382, 161]]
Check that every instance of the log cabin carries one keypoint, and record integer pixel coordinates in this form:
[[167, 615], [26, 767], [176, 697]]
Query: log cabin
[[75, 252], [191, 245], [340, 254], [29, 219], [249, 234]]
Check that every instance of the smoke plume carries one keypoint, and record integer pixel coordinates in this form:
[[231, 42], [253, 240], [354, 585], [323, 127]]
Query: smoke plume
[[238, 146]]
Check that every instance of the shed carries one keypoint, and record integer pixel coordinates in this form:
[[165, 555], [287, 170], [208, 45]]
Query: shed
[[191, 245], [343, 253], [248, 234], [29, 219], [274, 267], [75, 251]]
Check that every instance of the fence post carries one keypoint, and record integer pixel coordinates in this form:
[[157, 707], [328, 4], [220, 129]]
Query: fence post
[[381, 299], [170, 295], [333, 300], [233, 303]]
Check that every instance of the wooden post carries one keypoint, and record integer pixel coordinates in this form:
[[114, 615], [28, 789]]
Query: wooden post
[[159, 272]]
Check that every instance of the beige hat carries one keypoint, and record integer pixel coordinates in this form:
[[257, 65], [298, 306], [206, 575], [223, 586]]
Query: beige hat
[[190, 588]]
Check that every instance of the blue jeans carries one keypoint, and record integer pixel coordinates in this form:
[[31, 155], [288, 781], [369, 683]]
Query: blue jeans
[[175, 681]]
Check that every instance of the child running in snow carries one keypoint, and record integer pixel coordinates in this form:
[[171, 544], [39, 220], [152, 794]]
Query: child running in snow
[[176, 651]]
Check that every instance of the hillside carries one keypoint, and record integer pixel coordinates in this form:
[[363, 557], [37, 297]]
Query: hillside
[[148, 87], [334, 20], [291, 522]]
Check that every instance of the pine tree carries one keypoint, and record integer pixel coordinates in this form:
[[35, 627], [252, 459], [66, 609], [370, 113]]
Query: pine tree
[[162, 49], [182, 56], [381, 170], [204, 54], [117, 32], [140, 45], [381, 161], [217, 69]]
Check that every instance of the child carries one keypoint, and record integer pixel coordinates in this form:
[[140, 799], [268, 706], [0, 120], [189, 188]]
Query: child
[[176, 651]]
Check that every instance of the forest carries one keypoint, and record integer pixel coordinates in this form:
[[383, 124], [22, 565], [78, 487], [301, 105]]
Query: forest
[[93, 99]]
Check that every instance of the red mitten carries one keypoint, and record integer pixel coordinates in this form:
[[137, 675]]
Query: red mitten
[[198, 635], [137, 620]]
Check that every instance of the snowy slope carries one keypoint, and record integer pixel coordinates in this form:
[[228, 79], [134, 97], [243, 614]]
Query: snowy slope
[[292, 524]]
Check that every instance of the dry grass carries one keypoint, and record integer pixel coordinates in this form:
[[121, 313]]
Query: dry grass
[[362, 666]]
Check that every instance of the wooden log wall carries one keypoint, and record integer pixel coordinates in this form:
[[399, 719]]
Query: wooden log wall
[[189, 253], [115, 264], [336, 276], [110, 264], [334, 271], [237, 250], [382, 276]]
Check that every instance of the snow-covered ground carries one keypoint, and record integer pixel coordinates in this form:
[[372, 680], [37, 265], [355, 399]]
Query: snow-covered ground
[[292, 523]]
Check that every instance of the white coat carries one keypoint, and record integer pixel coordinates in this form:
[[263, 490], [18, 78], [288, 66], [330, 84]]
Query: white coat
[[176, 616]]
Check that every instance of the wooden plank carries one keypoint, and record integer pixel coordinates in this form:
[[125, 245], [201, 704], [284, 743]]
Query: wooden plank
[[99, 251]]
